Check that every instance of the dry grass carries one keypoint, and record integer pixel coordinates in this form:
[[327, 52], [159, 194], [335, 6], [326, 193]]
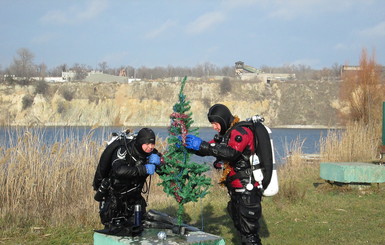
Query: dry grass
[[292, 173], [51, 184], [45, 187], [47, 184], [358, 142]]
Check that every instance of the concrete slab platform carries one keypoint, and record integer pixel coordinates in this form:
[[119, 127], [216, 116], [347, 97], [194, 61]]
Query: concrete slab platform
[[150, 236], [352, 172]]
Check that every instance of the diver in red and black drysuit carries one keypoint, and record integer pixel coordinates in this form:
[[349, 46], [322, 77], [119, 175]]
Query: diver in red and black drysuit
[[233, 146]]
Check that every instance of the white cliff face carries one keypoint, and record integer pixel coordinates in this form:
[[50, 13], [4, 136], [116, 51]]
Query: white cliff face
[[150, 103]]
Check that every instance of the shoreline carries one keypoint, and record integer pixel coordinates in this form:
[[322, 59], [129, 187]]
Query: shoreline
[[165, 126]]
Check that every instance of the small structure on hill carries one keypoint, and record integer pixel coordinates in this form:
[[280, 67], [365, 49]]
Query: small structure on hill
[[246, 72]]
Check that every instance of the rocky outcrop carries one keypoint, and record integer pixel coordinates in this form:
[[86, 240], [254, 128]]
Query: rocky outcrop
[[148, 103]]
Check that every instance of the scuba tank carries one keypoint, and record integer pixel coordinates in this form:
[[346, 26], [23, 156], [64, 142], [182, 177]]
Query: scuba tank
[[263, 161], [273, 186]]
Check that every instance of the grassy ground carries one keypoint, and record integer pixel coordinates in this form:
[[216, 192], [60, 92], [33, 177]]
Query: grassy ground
[[61, 209], [307, 212]]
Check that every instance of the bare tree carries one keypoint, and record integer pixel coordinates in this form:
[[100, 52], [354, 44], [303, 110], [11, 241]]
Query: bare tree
[[2, 73], [57, 71], [42, 71], [336, 70], [103, 66], [80, 71], [130, 71], [362, 91], [22, 65], [227, 71]]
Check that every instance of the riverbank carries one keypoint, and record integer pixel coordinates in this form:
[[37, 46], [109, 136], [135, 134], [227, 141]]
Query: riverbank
[[307, 210], [60, 209]]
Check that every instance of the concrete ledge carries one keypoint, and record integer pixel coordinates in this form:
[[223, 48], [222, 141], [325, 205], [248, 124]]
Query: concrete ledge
[[150, 236], [352, 172]]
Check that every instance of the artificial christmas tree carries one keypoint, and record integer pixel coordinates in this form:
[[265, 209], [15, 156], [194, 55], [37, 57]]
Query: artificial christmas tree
[[182, 179]]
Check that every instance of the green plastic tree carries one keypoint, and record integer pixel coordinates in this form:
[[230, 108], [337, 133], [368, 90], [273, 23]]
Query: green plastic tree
[[182, 179]]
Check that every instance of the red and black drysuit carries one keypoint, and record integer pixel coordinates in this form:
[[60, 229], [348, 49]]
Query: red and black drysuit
[[244, 207]]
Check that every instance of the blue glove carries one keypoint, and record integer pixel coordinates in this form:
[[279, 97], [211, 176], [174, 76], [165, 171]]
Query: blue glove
[[193, 142], [150, 168], [154, 159], [178, 145]]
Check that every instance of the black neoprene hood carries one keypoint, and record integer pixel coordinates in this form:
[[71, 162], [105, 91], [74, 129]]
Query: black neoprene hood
[[145, 136], [220, 114]]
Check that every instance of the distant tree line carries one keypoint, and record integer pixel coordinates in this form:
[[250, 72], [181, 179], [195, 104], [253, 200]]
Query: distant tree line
[[23, 66]]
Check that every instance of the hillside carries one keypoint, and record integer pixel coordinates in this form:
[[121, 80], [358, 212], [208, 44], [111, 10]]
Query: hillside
[[150, 103]]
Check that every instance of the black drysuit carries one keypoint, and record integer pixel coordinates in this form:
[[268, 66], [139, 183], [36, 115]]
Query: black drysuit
[[128, 178]]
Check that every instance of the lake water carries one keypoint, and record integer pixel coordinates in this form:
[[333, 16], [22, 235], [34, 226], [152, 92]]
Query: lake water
[[283, 138]]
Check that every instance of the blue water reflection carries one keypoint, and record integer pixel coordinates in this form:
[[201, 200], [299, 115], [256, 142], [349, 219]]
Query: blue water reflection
[[283, 138]]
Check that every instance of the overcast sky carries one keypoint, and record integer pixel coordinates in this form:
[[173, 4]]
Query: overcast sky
[[315, 33]]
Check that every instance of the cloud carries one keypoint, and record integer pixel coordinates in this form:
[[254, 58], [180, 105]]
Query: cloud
[[294, 8], [76, 13], [115, 58], [163, 28], [205, 22], [44, 38], [341, 46], [231, 4], [375, 31], [305, 61]]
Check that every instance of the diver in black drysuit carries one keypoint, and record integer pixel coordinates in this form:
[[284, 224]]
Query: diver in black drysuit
[[131, 165]]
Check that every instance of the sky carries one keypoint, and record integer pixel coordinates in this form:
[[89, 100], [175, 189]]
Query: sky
[[187, 33]]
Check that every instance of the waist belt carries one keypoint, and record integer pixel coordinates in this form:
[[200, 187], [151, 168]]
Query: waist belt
[[244, 174]]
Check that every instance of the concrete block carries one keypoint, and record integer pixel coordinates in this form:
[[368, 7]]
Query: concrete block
[[150, 236], [352, 172]]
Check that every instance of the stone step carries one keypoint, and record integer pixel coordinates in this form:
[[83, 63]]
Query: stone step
[[352, 172], [150, 236]]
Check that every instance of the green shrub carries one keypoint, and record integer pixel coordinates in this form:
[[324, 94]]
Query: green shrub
[[225, 86], [41, 87], [206, 102], [27, 101], [61, 108], [67, 94]]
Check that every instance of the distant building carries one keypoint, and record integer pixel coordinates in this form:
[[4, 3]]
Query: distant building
[[246, 72], [97, 76], [353, 70], [68, 76]]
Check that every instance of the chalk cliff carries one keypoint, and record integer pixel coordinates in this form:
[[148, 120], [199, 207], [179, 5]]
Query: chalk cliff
[[147, 103]]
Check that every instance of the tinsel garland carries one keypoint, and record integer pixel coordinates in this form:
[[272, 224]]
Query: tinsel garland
[[227, 168], [177, 121], [226, 171]]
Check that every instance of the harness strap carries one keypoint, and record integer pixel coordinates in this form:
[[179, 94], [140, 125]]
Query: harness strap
[[239, 175], [128, 191]]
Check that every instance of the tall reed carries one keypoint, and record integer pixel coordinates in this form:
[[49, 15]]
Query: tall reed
[[292, 173], [357, 142], [48, 183]]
